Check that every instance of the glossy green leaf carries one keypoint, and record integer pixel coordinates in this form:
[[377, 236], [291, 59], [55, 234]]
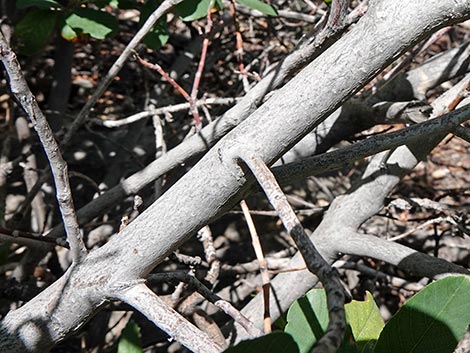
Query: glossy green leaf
[[307, 319], [98, 24], [190, 10], [34, 30], [130, 341], [365, 321], [41, 4], [432, 321], [276, 342], [260, 6]]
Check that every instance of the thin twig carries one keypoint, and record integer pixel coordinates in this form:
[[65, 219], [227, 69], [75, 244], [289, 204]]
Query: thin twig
[[464, 93], [210, 134], [175, 85], [288, 14], [316, 264], [373, 273], [200, 67], [5, 168], [189, 305], [23, 94], [205, 237], [272, 264], [238, 38], [262, 265], [163, 110], [194, 283], [117, 66], [30, 176], [308, 212], [25, 238], [160, 150], [421, 226]]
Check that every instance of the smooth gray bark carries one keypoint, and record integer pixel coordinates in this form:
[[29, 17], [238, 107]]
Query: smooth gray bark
[[217, 183], [339, 230]]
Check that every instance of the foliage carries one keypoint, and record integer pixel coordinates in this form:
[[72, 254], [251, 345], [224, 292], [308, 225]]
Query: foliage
[[34, 30], [130, 341], [98, 24], [434, 320], [39, 23], [365, 322], [276, 342], [40, 4], [260, 6], [307, 321], [158, 35]]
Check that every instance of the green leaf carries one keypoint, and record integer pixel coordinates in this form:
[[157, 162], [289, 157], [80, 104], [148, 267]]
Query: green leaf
[[34, 30], [98, 24], [41, 4], [365, 321], [114, 4], [159, 34], [68, 33], [190, 10], [307, 319], [130, 341], [434, 320], [276, 342], [260, 6]]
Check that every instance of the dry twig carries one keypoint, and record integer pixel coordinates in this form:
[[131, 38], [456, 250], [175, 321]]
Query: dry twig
[[23, 94]]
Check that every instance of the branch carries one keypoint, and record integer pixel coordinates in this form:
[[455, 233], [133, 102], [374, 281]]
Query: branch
[[316, 264], [163, 110], [176, 86], [338, 231], [224, 305], [28, 102], [117, 66], [210, 134], [27, 238], [149, 304], [200, 197], [434, 71], [261, 262], [347, 155], [200, 66]]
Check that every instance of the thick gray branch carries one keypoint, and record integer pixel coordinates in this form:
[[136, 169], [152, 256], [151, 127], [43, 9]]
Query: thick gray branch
[[216, 183]]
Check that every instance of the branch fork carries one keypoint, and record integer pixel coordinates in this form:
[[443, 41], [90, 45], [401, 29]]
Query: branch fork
[[316, 264], [156, 310]]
